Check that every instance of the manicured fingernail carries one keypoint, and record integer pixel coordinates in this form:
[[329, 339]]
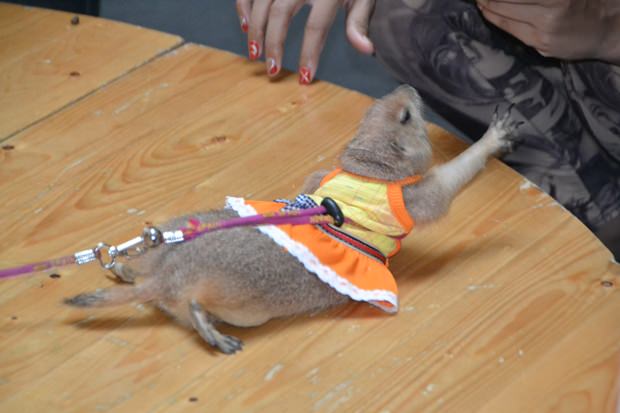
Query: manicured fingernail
[[272, 67], [254, 49], [244, 25], [305, 76]]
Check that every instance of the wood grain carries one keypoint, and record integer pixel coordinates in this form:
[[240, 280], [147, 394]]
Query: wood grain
[[502, 306], [46, 62]]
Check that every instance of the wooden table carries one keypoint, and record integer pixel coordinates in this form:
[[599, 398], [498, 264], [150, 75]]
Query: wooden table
[[507, 305]]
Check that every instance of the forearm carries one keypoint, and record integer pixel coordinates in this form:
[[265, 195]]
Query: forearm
[[568, 30], [431, 198], [610, 45], [453, 175]]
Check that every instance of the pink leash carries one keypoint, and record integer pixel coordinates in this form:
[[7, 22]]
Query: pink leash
[[327, 213], [37, 266], [296, 217]]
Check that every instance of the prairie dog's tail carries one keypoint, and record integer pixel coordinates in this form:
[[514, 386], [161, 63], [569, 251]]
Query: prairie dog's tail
[[114, 296]]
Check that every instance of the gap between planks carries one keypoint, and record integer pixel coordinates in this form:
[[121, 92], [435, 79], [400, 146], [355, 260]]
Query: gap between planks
[[180, 44]]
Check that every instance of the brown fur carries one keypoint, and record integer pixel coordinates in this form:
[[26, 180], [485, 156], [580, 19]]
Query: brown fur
[[241, 277]]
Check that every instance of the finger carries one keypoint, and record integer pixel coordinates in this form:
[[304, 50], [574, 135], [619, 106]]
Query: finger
[[357, 25], [244, 8], [280, 15], [530, 13], [317, 27], [521, 30], [256, 30]]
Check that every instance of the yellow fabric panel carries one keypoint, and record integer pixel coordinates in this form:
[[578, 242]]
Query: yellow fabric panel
[[365, 203]]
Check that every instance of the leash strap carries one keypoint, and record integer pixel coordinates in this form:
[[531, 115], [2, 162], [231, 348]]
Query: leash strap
[[312, 216], [37, 266], [152, 237]]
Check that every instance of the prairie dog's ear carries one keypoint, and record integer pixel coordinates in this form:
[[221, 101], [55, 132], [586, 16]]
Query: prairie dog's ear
[[404, 116]]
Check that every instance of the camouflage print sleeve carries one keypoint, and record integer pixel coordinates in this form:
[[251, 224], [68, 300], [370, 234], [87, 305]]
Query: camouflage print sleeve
[[463, 67]]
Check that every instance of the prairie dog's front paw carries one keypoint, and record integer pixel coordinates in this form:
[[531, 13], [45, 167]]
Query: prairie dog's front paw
[[502, 132]]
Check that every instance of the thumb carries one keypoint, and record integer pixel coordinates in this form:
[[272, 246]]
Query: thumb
[[357, 21]]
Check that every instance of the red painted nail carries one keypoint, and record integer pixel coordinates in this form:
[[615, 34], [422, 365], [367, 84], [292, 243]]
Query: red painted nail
[[244, 25], [305, 76], [273, 67], [254, 49]]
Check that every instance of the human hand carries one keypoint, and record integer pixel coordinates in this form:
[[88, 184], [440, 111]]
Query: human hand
[[267, 21], [565, 29]]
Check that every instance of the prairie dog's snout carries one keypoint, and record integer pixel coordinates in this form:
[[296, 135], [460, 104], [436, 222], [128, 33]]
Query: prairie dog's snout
[[414, 136], [392, 141]]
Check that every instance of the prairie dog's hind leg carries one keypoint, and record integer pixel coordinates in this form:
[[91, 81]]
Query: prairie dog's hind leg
[[204, 326], [125, 273]]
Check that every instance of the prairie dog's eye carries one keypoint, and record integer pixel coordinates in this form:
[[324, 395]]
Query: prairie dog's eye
[[405, 116]]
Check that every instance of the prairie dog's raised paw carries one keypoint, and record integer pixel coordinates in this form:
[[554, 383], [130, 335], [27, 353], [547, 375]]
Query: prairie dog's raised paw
[[504, 128]]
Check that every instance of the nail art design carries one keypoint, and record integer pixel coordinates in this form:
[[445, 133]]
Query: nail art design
[[272, 66], [244, 25], [305, 77], [254, 49]]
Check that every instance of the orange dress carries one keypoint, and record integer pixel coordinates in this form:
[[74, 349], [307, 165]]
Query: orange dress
[[375, 216]]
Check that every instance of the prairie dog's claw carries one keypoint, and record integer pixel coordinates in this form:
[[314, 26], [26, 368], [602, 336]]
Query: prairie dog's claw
[[504, 128]]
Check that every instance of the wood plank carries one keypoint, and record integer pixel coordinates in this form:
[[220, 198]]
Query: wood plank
[[46, 62], [502, 306], [559, 386]]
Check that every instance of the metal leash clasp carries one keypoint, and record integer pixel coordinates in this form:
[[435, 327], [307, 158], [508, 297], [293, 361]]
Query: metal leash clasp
[[107, 254], [111, 253]]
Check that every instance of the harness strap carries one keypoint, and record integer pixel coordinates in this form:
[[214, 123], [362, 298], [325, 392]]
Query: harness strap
[[353, 242]]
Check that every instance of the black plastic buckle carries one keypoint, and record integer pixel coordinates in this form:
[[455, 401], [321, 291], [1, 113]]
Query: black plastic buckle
[[334, 210]]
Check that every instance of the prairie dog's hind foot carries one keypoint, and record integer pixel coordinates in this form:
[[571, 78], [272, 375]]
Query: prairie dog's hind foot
[[204, 326], [124, 273], [503, 130]]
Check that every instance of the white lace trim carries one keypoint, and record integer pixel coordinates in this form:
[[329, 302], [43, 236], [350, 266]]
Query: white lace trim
[[312, 263]]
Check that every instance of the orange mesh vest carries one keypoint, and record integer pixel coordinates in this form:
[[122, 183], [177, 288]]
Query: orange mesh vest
[[375, 213], [375, 210]]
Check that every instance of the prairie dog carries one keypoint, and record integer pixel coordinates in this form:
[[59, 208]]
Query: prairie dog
[[242, 277]]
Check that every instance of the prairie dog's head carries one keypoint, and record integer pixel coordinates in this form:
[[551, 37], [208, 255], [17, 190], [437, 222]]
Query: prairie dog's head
[[391, 142]]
